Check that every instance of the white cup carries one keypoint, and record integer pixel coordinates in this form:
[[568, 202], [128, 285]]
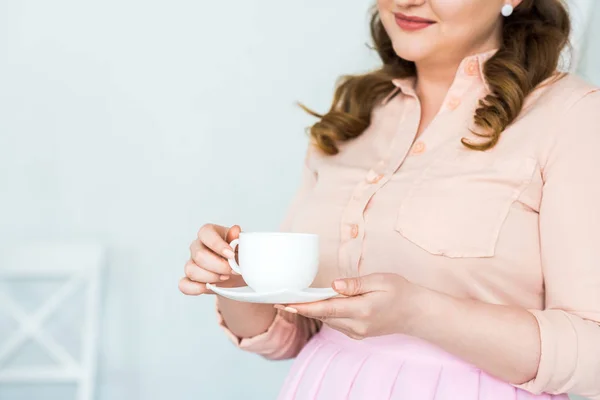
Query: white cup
[[277, 261]]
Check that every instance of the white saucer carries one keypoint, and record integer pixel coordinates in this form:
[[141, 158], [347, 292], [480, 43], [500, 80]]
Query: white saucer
[[247, 295]]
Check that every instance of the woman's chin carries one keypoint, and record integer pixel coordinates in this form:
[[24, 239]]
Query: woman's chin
[[413, 52]]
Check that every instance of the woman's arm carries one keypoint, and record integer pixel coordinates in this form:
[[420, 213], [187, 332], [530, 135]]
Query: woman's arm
[[245, 320], [503, 341]]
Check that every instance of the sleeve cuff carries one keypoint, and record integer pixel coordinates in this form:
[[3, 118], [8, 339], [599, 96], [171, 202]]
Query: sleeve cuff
[[554, 327], [569, 351], [284, 338]]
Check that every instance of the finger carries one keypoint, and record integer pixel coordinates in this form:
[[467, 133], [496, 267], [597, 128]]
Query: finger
[[208, 260], [212, 236], [199, 274], [191, 288], [361, 285], [332, 308], [233, 233]]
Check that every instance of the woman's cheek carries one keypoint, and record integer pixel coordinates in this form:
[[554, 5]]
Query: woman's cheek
[[459, 10]]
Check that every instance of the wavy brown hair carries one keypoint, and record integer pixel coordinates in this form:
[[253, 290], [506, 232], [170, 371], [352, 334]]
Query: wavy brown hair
[[532, 42]]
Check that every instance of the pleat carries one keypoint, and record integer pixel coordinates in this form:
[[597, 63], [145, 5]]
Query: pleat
[[311, 378], [491, 388], [340, 375], [416, 381], [303, 362], [457, 383], [524, 395], [316, 387], [376, 378]]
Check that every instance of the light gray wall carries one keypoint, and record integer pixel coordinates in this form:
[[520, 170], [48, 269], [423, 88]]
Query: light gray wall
[[134, 122], [589, 66]]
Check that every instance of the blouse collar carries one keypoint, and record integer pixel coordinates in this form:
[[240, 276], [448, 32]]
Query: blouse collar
[[471, 67]]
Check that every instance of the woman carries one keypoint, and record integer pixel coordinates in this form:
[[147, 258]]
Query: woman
[[456, 196]]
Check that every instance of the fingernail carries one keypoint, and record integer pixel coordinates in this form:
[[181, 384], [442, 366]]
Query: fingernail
[[224, 277], [228, 253], [339, 285], [291, 310]]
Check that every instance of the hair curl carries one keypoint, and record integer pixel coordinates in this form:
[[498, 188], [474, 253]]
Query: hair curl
[[533, 39]]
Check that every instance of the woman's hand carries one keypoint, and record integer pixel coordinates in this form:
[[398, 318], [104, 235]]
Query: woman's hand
[[375, 305], [208, 260]]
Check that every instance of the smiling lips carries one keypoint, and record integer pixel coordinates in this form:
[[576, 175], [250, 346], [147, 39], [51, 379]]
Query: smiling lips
[[412, 23]]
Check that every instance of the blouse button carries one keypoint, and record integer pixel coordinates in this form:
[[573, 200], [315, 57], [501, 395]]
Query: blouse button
[[376, 179], [354, 231], [471, 68], [453, 103], [418, 148]]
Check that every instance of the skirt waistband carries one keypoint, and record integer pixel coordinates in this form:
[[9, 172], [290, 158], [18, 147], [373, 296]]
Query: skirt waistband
[[397, 346]]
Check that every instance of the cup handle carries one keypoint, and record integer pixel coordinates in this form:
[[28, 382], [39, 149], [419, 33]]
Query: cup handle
[[232, 263]]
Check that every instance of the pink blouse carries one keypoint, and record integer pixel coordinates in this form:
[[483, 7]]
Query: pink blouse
[[515, 225]]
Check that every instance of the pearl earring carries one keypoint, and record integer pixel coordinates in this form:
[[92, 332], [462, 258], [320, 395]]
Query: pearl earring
[[507, 10]]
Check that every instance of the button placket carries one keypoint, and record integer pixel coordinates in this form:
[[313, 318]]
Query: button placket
[[351, 243], [351, 246], [353, 218]]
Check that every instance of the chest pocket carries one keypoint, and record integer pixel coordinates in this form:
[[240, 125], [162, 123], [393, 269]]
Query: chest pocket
[[457, 207]]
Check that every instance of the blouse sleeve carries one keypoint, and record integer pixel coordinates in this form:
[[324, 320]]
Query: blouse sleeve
[[284, 339], [288, 333], [570, 239]]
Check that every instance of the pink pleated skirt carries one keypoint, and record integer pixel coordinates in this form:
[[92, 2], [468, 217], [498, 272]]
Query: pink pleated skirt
[[334, 367]]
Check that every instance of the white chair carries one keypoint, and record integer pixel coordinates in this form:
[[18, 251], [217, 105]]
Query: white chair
[[80, 264]]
